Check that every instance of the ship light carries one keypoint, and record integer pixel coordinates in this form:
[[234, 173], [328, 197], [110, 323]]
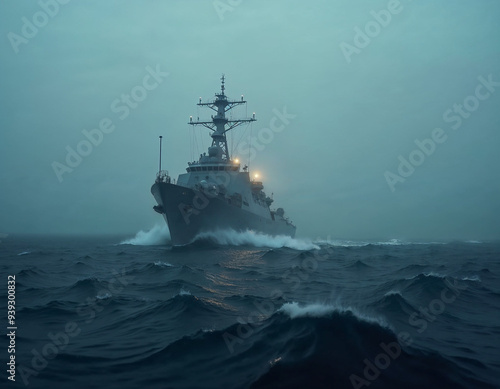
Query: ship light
[[236, 160], [256, 175]]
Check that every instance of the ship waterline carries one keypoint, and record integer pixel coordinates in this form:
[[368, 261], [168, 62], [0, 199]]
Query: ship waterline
[[189, 212]]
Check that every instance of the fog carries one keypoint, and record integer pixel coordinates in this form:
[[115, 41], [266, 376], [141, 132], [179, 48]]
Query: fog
[[388, 111]]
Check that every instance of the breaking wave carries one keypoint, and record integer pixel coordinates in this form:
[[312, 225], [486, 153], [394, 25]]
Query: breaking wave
[[295, 310], [257, 239], [158, 235]]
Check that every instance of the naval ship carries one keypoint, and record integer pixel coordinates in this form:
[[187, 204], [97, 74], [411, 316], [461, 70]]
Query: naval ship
[[216, 193]]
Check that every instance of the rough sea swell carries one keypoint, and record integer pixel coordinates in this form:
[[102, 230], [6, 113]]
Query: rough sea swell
[[250, 311]]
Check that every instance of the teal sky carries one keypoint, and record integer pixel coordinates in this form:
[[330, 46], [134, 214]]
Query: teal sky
[[364, 79]]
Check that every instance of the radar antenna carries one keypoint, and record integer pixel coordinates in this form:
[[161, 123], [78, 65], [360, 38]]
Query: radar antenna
[[219, 123]]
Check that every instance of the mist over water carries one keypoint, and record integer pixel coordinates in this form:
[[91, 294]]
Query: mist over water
[[353, 117]]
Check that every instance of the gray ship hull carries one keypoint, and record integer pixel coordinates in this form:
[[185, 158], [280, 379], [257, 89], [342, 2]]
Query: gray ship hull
[[189, 212]]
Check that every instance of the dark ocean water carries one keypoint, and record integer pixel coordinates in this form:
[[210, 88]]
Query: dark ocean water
[[246, 311]]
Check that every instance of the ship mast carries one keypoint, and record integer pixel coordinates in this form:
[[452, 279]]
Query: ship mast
[[218, 124]]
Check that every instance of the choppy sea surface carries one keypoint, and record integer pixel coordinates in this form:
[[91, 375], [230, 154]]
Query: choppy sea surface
[[243, 310]]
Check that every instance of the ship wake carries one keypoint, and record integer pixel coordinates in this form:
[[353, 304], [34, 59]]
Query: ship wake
[[156, 236], [231, 237]]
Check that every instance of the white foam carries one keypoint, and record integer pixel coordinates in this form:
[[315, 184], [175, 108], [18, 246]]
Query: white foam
[[430, 274], [433, 274], [274, 361], [163, 264], [25, 253], [257, 239], [158, 235], [184, 292], [103, 296], [475, 278], [393, 293], [320, 310], [311, 310]]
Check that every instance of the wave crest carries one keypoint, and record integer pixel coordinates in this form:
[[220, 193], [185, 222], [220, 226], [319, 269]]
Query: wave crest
[[294, 310]]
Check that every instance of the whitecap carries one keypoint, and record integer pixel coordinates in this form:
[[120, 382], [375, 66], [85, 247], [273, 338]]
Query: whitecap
[[294, 310], [393, 293], [184, 292], [474, 278], [433, 274], [163, 264], [274, 361]]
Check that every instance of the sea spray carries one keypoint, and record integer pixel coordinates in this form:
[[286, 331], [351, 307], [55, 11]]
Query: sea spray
[[158, 235], [257, 239]]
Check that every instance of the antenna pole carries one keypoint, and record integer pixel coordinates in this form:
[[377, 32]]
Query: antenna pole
[[218, 124], [159, 168]]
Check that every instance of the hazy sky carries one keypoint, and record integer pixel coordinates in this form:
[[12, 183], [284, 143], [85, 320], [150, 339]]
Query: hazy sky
[[364, 79]]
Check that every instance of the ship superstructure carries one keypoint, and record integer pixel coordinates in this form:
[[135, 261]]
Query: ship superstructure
[[216, 193]]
